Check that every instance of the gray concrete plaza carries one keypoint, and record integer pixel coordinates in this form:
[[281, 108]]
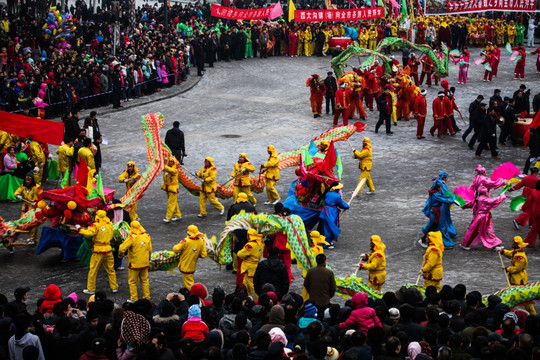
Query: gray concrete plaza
[[264, 102]]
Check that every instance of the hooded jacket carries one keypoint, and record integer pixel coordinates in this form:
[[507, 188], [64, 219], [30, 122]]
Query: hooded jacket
[[140, 248], [276, 319], [364, 156], [132, 178], [272, 165], [52, 295], [208, 175], [241, 172], [101, 232], [272, 271], [170, 178], [16, 347], [191, 249], [362, 317]]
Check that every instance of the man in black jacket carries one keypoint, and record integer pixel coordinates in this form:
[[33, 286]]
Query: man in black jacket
[[476, 119], [331, 88], [473, 108], [272, 271], [488, 134], [385, 107], [174, 139]]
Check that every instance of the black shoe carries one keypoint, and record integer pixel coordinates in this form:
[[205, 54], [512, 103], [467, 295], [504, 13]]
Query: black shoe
[[376, 131], [228, 267], [389, 133], [464, 139]]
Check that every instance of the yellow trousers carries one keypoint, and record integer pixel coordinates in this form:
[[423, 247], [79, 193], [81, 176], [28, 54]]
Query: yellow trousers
[[250, 287], [372, 44], [530, 308], [107, 261], [188, 280], [33, 234], [133, 213], [365, 174], [172, 206], [307, 50], [246, 190], [133, 277], [437, 284], [211, 198], [271, 190]]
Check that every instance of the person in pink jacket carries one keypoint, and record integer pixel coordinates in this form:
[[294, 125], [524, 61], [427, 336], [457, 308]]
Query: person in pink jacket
[[362, 317]]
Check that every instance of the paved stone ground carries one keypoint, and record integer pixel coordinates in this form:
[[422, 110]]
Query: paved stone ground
[[266, 102]]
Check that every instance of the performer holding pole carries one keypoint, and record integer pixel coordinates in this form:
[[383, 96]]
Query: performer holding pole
[[242, 182], [517, 271], [130, 177], [365, 156], [208, 174], [432, 269], [271, 172], [376, 263]]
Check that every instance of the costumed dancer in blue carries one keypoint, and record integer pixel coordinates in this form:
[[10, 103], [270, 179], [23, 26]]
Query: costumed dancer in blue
[[445, 208], [437, 220], [329, 217]]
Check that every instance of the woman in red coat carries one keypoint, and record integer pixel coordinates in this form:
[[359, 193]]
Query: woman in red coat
[[362, 317]]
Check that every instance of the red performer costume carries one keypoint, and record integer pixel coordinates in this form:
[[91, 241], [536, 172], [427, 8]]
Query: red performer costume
[[292, 47], [438, 115], [342, 104], [496, 60], [537, 51], [490, 59], [448, 114], [519, 71], [427, 70], [317, 91], [534, 217], [356, 99], [373, 88], [413, 65], [420, 113], [525, 216]]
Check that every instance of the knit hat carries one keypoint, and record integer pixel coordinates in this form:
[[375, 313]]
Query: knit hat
[[52, 295], [199, 290], [73, 296], [311, 310], [194, 311], [135, 329], [511, 315], [276, 334]]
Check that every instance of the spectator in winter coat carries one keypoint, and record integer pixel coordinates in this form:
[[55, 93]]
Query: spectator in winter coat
[[362, 317], [272, 271], [194, 328]]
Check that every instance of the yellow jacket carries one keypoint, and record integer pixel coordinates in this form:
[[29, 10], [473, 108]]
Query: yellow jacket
[[6, 140], [517, 271], [432, 268], [365, 157], [132, 178], [511, 30], [102, 233], [86, 154], [139, 247], [170, 179], [272, 167], [208, 174], [376, 265], [307, 35], [250, 254], [31, 194], [190, 251], [38, 156], [241, 172], [65, 153]]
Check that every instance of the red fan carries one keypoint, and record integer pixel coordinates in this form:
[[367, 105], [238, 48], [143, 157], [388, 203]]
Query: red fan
[[505, 171]]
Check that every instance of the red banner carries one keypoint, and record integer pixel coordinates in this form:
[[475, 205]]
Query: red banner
[[45, 131], [443, 7], [338, 15], [240, 14]]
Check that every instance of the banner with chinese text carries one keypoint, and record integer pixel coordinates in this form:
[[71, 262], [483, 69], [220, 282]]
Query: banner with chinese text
[[240, 14], [338, 15], [449, 7]]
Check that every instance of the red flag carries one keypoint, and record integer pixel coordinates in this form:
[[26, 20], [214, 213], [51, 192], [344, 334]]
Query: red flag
[[45, 131], [82, 175], [330, 158], [534, 125]]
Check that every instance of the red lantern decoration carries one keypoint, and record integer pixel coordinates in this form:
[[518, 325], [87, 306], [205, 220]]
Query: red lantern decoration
[[82, 218], [40, 215], [67, 214], [50, 212]]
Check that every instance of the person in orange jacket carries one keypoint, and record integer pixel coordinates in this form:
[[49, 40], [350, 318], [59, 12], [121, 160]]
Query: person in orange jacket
[[420, 113]]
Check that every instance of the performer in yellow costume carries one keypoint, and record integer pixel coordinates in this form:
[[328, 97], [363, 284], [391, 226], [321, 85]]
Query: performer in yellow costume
[[517, 271], [242, 182], [365, 156], [271, 171], [308, 38], [87, 154], [65, 160], [101, 232], [208, 174], [29, 192], [38, 157], [499, 33], [130, 177], [301, 40], [139, 247], [170, 186], [363, 38], [372, 37], [318, 241], [511, 31], [432, 269], [251, 254], [327, 36], [376, 263], [190, 248]]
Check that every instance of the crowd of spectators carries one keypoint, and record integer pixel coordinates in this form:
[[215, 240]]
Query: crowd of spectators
[[450, 324]]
